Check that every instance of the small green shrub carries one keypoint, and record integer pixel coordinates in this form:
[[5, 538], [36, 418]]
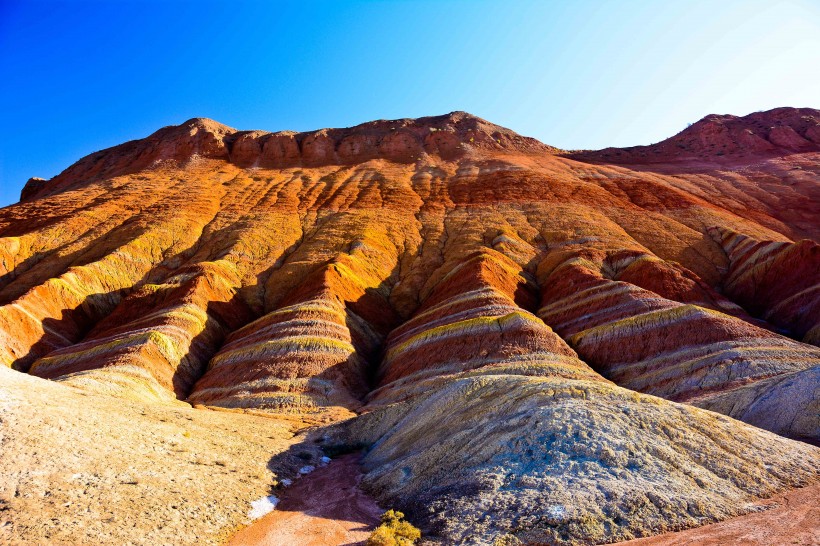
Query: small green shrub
[[394, 531]]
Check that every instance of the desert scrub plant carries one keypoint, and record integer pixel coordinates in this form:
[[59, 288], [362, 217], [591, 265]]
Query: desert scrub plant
[[394, 531]]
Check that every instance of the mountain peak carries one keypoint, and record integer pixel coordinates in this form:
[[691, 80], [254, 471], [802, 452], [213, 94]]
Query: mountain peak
[[207, 124], [406, 140], [720, 137], [400, 140]]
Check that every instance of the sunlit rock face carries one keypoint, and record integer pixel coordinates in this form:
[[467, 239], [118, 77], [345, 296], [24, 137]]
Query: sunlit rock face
[[526, 340], [717, 138], [775, 280], [684, 347]]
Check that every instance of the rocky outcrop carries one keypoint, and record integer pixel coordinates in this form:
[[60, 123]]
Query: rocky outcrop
[[502, 457], [677, 349], [721, 137], [518, 336], [775, 280], [32, 187]]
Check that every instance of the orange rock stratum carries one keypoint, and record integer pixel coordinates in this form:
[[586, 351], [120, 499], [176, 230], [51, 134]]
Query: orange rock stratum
[[531, 346]]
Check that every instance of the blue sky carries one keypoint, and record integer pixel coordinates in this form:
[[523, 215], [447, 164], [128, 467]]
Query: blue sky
[[79, 76]]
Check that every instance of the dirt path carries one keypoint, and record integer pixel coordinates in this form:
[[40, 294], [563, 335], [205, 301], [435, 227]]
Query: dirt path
[[793, 519], [324, 508]]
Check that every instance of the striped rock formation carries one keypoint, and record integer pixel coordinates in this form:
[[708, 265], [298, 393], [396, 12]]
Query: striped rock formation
[[474, 323], [488, 427], [681, 349], [775, 280], [518, 334], [153, 346], [312, 352]]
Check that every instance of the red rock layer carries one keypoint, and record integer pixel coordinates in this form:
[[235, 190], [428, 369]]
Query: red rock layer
[[778, 131], [313, 351], [403, 140], [775, 280], [654, 344], [473, 324], [333, 238]]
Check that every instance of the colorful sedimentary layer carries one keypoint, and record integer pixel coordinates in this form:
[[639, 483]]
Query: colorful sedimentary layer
[[82, 285], [472, 324], [775, 280], [472, 369], [679, 349], [155, 343], [518, 334], [313, 351]]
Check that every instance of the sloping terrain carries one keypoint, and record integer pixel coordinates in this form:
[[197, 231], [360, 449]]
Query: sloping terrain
[[525, 340], [775, 280], [786, 519], [327, 508], [82, 469]]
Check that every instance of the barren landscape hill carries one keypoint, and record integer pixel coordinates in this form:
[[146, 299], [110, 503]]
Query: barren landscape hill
[[529, 344]]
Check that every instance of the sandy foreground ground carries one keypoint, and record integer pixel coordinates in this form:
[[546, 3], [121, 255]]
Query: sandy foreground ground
[[79, 468]]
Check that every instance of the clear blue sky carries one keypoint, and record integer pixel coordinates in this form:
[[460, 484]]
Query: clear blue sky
[[76, 77]]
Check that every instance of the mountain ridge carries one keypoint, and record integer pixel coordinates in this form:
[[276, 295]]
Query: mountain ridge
[[771, 132], [503, 327], [782, 130]]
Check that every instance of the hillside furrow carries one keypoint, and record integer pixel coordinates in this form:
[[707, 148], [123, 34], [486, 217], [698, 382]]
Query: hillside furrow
[[530, 345]]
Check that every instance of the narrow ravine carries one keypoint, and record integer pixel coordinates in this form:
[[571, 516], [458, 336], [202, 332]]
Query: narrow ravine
[[323, 508]]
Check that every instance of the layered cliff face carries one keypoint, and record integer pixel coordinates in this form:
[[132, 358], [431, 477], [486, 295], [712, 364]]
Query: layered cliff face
[[776, 280], [489, 306]]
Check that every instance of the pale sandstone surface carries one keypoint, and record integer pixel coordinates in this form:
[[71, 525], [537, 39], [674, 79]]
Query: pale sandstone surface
[[82, 468]]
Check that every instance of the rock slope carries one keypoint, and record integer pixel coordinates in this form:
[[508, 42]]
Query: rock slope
[[716, 137], [526, 340], [775, 280]]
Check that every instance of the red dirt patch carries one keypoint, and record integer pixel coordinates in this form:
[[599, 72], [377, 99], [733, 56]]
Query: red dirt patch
[[324, 508], [794, 518]]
